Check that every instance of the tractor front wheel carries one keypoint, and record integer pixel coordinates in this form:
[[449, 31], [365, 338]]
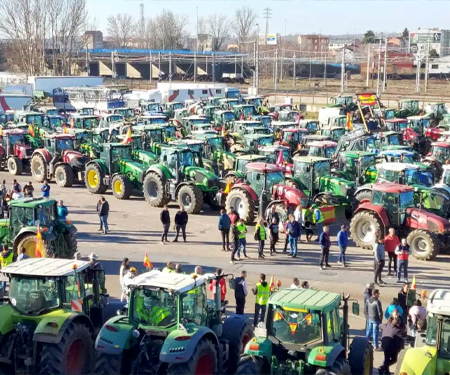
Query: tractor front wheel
[[73, 355], [15, 166], [363, 227], [27, 241], [121, 187], [339, 367], [191, 197], [94, 179], [64, 175], [38, 168], [360, 357], [244, 205], [155, 192], [249, 366], [424, 245]]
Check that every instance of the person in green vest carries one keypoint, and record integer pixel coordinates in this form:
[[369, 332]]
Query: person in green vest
[[260, 236], [318, 219], [155, 316], [242, 234], [6, 257], [169, 268], [261, 292]]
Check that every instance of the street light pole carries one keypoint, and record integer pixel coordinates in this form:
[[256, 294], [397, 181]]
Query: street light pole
[[197, 27], [257, 61]]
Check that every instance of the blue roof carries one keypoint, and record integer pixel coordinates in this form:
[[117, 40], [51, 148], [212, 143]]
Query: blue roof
[[162, 51]]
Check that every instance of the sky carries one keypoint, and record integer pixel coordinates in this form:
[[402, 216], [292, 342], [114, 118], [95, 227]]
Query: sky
[[330, 17]]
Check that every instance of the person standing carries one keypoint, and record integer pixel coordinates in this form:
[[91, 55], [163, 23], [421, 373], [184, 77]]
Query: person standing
[[179, 268], [164, 217], [240, 292], [124, 268], [198, 271], [393, 306], [169, 268], [298, 216], [17, 194], [273, 235], [242, 234], [403, 252], [375, 316], [23, 254], [325, 244], [234, 218], [260, 236], [417, 318], [62, 211], [28, 189], [391, 241], [286, 239], [181, 220], [393, 332], [273, 214], [367, 295], [318, 219], [222, 286], [293, 230], [16, 186], [305, 285], [379, 259], [103, 212], [224, 227], [403, 300], [295, 283], [261, 292], [45, 189], [6, 257], [342, 239]]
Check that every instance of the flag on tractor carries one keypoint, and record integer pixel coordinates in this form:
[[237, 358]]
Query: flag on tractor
[[349, 124], [280, 158], [31, 130], [1, 132], [72, 123], [39, 250], [242, 118], [65, 131], [127, 138], [147, 262], [414, 285], [272, 283], [227, 188]]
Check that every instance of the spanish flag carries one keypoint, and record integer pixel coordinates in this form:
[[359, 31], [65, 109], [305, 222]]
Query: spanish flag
[[31, 130], [414, 285], [127, 138], [272, 283], [39, 251], [349, 124], [147, 262], [65, 131]]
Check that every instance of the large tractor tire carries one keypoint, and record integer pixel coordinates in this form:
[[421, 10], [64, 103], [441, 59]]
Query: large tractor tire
[[109, 364], [191, 197], [64, 175], [281, 210], [94, 179], [363, 227], [72, 245], [244, 205], [424, 245], [155, 192], [15, 166], [360, 357], [73, 355], [249, 366], [38, 168], [340, 367], [238, 335], [28, 241], [361, 197], [121, 187], [202, 362]]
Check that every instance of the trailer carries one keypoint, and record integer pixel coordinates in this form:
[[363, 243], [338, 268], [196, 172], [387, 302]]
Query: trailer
[[179, 92], [48, 84]]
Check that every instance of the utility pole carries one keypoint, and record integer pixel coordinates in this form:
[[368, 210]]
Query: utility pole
[[254, 62], [418, 73], [295, 73], [325, 69], [170, 66], [426, 66], [368, 64], [214, 68], [385, 64], [195, 66], [257, 61], [267, 16], [151, 67], [378, 69], [342, 70], [276, 69], [197, 27]]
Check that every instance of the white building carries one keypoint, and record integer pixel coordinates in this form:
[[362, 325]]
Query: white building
[[422, 39], [94, 39]]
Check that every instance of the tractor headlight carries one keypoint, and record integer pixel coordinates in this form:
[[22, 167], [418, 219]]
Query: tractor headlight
[[136, 334]]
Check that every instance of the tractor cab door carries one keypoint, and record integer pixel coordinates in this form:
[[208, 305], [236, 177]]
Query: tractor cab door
[[391, 202], [256, 181]]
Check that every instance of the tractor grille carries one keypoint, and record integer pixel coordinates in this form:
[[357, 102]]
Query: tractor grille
[[212, 183]]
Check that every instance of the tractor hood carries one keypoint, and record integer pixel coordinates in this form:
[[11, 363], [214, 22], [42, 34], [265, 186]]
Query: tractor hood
[[420, 361], [433, 133], [423, 219], [133, 166], [337, 185], [410, 135], [202, 176], [146, 158], [75, 159], [22, 150], [293, 196]]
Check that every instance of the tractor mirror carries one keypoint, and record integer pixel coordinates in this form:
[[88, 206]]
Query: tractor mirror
[[355, 308]]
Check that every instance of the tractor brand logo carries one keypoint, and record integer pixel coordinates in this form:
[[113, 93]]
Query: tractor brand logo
[[77, 305], [416, 216]]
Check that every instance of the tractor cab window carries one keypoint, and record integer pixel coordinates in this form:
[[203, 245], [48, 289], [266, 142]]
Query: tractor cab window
[[35, 119], [266, 141], [177, 106], [156, 121], [273, 178], [256, 180], [15, 139], [91, 123], [372, 144], [273, 157], [388, 200], [169, 132], [64, 144], [266, 121], [215, 144], [444, 350], [46, 215], [20, 217], [228, 116], [388, 115], [186, 159], [118, 153], [312, 127], [366, 162], [303, 173], [393, 140], [446, 177], [406, 200], [432, 325], [193, 305], [316, 151], [442, 154], [417, 126], [72, 288], [31, 296], [56, 122], [155, 308], [115, 118], [290, 136], [295, 327], [338, 133]]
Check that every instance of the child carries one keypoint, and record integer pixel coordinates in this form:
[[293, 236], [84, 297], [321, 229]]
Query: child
[[273, 235]]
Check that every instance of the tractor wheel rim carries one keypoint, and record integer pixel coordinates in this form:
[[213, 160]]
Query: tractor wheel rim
[[30, 246], [366, 231], [205, 365], [38, 170], [118, 187], [186, 200], [12, 166], [60, 176], [152, 189], [76, 358], [93, 179], [238, 204], [420, 245], [245, 341]]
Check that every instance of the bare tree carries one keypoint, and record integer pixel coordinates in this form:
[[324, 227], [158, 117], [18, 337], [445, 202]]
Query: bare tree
[[121, 29], [243, 23], [168, 30], [218, 29]]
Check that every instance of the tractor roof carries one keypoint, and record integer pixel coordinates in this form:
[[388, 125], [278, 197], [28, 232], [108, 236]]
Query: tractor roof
[[446, 166], [396, 120], [247, 122], [263, 167], [327, 127], [17, 131], [388, 133], [306, 120], [117, 144], [295, 130], [274, 148], [305, 299], [153, 116], [51, 267], [60, 136], [439, 302], [258, 135], [396, 166], [317, 137], [309, 159], [31, 202], [170, 281], [188, 141], [322, 144], [194, 117], [252, 157], [284, 123], [397, 152], [356, 154], [418, 117], [390, 187], [441, 144]]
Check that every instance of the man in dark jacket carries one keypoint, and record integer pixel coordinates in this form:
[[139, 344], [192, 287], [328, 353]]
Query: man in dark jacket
[[273, 215], [325, 244], [393, 334], [375, 316], [240, 292], [165, 220], [103, 212], [181, 220], [224, 227], [367, 295]]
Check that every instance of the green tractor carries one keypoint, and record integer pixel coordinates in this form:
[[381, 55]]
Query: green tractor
[[176, 177], [436, 113], [303, 333], [141, 149], [54, 309], [358, 166], [170, 108], [223, 119], [21, 229], [333, 132], [171, 328], [115, 169], [253, 142], [344, 102], [408, 107]]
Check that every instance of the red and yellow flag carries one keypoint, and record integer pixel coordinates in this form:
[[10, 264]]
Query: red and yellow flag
[[349, 124], [147, 262], [72, 123], [414, 285], [128, 137], [65, 131], [39, 251], [272, 283], [1, 131], [293, 327], [31, 130]]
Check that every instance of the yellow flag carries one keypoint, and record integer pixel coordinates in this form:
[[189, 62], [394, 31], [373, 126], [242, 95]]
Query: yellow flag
[[39, 246], [227, 188], [128, 137]]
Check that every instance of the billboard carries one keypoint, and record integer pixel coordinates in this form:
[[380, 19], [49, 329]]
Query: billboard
[[269, 39], [432, 37]]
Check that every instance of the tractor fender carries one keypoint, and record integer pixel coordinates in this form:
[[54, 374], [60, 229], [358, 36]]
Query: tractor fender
[[44, 153], [160, 170], [69, 228], [248, 189], [6, 323], [183, 184], [274, 203], [47, 332], [330, 352], [115, 336], [101, 164], [187, 346], [363, 188], [380, 211]]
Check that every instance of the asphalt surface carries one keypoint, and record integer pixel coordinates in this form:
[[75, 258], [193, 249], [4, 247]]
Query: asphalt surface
[[135, 229]]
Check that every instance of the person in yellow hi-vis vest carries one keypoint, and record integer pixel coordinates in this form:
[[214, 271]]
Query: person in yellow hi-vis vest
[[6, 257], [318, 219], [260, 236], [242, 234], [154, 316], [169, 268], [261, 292]]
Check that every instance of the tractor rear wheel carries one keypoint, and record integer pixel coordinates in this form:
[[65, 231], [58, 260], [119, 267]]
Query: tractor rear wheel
[[73, 355], [340, 367], [15, 166], [249, 366], [155, 191], [360, 357], [424, 245], [237, 342], [202, 362], [361, 197], [191, 197], [72, 245], [94, 179], [244, 205], [64, 175], [106, 364], [121, 186], [38, 168], [363, 227], [28, 241]]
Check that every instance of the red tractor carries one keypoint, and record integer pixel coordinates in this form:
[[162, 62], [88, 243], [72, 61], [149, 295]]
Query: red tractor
[[15, 151], [58, 160], [262, 188], [393, 206]]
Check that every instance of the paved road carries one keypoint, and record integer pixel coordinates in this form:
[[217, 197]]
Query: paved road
[[135, 229]]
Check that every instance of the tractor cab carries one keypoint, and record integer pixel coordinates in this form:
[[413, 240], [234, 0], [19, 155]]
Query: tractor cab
[[114, 154], [404, 174], [312, 126], [324, 149], [292, 137], [337, 121], [30, 118], [151, 120], [149, 107], [441, 152], [256, 101], [241, 127], [400, 156], [125, 112], [83, 122], [419, 124], [308, 171], [54, 122], [397, 124], [195, 123], [289, 116], [356, 166], [343, 101], [194, 145], [248, 111], [152, 133], [6, 117], [389, 113], [228, 103], [15, 143], [278, 126], [110, 120], [86, 111], [253, 142], [263, 176], [266, 121], [333, 132], [241, 162], [205, 134], [445, 122], [282, 107], [223, 119], [170, 108], [408, 107], [49, 111], [278, 155], [59, 143]]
